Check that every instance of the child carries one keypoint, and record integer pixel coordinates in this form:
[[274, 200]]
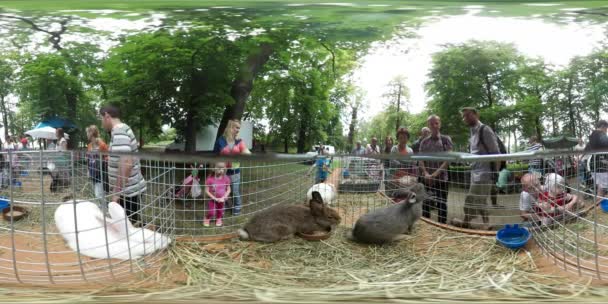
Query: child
[[322, 165], [554, 201], [217, 187], [544, 203], [531, 188]]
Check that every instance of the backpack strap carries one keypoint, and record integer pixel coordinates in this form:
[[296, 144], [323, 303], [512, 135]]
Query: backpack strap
[[481, 141], [443, 142]]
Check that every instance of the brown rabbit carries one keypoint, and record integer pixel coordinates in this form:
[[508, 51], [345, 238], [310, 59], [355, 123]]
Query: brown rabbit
[[281, 222]]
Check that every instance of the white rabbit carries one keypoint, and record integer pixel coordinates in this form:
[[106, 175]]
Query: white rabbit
[[123, 240], [327, 191]]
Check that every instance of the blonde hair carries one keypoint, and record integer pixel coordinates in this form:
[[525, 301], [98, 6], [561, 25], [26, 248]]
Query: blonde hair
[[228, 130], [92, 131]]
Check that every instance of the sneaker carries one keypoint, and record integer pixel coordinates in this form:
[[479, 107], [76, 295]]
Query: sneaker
[[218, 223], [206, 222]]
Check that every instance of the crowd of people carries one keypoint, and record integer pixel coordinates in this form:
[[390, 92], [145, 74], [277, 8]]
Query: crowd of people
[[487, 179], [119, 177]]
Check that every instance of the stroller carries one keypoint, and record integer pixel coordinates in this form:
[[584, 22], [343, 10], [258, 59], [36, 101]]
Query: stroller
[[191, 184]]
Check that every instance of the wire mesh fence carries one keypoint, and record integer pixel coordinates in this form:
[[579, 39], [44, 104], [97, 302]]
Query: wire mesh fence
[[207, 199]]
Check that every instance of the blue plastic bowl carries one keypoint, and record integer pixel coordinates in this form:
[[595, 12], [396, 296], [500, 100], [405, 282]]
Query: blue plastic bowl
[[604, 205], [4, 202], [345, 173], [513, 237], [17, 184]]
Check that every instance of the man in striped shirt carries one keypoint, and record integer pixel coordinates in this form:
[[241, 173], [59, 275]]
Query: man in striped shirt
[[535, 165], [124, 171]]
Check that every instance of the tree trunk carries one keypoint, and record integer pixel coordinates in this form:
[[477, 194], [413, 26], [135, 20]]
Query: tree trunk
[[571, 114], [539, 128], [301, 145], [352, 126], [4, 110], [141, 136], [190, 132], [243, 84], [286, 145], [398, 106]]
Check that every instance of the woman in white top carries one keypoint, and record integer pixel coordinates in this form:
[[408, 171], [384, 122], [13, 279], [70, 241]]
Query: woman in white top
[[62, 142]]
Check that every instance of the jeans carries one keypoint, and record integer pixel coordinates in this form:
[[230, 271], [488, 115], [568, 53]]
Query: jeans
[[582, 173], [439, 188], [131, 205], [100, 195], [235, 188]]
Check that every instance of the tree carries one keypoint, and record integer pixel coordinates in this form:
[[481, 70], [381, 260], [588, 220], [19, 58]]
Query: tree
[[533, 94], [398, 96], [297, 94], [7, 86], [478, 74], [177, 75]]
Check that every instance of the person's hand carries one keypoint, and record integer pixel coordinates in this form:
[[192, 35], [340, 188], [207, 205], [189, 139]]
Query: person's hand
[[428, 176]]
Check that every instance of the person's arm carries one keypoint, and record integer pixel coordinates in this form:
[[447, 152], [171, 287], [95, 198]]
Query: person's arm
[[217, 147], [125, 165], [448, 148], [572, 201], [121, 142], [228, 189], [243, 148], [211, 196]]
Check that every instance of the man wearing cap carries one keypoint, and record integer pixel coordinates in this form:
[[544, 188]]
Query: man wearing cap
[[482, 140]]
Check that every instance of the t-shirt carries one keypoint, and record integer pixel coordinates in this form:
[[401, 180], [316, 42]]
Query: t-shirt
[[218, 185], [94, 159], [372, 150], [535, 163], [441, 143], [555, 201], [222, 147], [526, 201], [490, 147], [123, 140], [503, 178], [61, 144], [404, 167], [322, 167]]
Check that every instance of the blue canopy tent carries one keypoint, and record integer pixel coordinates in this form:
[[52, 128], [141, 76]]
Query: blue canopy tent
[[57, 122]]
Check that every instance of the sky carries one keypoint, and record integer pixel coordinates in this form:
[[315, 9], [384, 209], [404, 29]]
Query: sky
[[411, 57]]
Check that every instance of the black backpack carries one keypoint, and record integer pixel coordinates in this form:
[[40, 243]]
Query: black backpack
[[501, 147]]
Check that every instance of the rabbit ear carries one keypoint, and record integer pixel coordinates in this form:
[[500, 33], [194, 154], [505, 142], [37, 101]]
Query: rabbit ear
[[316, 196], [117, 213], [316, 204], [411, 198]]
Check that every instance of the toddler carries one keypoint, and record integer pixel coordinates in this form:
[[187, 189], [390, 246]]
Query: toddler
[[217, 188]]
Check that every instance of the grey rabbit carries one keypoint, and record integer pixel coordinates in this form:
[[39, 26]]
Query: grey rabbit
[[281, 222], [391, 223]]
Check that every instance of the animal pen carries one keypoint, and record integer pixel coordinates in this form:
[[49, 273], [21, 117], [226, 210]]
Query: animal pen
[[437, 260]]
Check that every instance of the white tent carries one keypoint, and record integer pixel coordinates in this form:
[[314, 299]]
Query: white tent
[[44, 132]]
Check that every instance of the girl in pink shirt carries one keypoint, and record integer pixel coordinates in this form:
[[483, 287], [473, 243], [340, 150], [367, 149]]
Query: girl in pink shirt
[[217, 188]]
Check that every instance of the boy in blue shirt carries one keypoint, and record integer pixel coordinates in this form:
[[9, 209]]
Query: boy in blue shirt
[[322, 167]]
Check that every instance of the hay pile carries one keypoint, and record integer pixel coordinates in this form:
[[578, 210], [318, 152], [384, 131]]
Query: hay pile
[[432, 265]]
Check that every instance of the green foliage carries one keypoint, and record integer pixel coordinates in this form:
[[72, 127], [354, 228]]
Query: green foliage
[[172, 78], [295, 94], [478, 74]]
